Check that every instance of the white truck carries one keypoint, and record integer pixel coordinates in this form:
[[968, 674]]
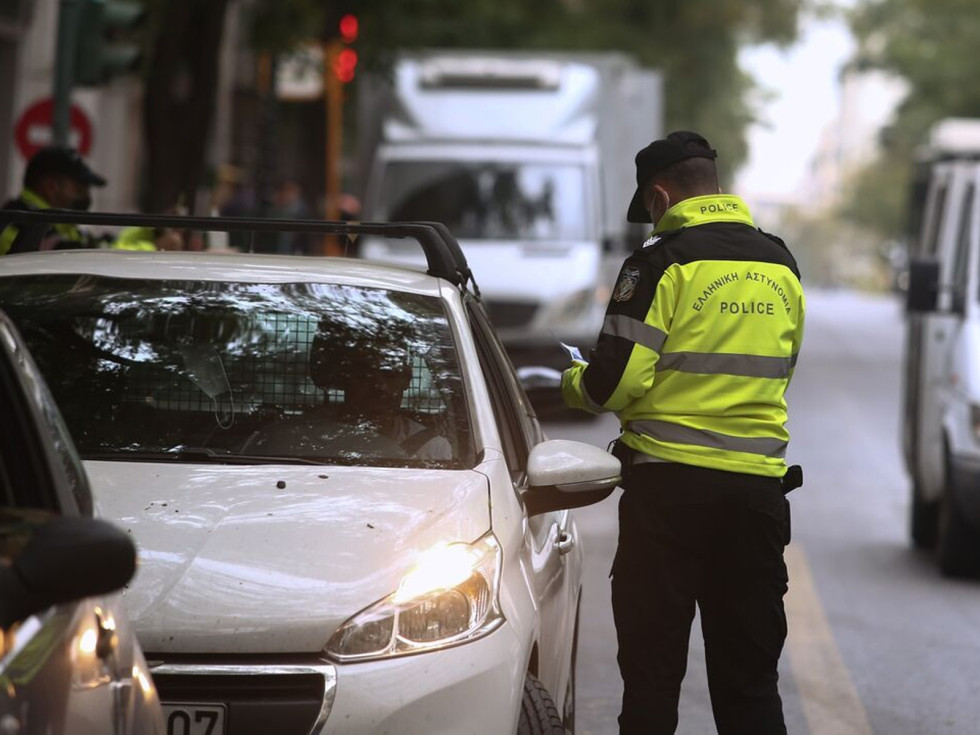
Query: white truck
[[528, 158]]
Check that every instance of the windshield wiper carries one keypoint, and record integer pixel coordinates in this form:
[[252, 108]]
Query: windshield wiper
[[196, 455]]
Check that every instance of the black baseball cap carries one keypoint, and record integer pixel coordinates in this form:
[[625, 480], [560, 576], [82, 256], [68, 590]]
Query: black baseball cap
[[57, 159], [677, 146]]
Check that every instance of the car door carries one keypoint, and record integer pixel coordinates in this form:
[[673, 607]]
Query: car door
[[72, 667], [934, 334], [549, 536]]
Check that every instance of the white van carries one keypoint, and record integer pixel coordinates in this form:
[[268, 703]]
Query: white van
[[942, 379]]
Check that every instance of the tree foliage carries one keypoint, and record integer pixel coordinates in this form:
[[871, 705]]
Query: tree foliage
[[930, 45], [694, 42], [179, 102]]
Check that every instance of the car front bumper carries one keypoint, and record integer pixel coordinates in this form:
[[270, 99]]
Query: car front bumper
[[469, 689]]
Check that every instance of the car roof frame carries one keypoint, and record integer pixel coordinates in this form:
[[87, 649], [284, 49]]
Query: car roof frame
[[444, 257]]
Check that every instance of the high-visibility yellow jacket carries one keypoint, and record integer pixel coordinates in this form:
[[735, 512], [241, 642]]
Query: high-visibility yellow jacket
[[136, 238], [699, 342], [12, 239]]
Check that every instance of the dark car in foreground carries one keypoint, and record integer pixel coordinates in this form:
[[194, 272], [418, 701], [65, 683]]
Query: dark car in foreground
[[69, 660]]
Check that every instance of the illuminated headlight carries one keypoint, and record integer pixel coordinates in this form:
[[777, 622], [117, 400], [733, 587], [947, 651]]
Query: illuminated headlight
[[449, 596]]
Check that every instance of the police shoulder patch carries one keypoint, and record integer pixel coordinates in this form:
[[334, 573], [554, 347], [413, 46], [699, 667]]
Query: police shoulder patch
[[626, 285]]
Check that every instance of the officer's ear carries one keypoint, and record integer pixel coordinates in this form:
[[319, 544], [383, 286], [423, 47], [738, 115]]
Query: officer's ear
[[659, 202]]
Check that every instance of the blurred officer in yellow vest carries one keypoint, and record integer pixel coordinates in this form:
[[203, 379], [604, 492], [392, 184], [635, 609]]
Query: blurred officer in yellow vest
[[56, 178]]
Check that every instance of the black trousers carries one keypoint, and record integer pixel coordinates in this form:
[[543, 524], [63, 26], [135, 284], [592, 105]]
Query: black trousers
[[691, 536]]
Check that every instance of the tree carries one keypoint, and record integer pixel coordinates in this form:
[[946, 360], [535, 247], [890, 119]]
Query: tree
[[180, 97], [928, 44], [695, 43]]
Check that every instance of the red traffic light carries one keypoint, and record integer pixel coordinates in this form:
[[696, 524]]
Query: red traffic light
[[345, 64], [348, 28]]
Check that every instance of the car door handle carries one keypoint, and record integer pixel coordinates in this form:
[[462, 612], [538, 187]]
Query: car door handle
[[565, 542]]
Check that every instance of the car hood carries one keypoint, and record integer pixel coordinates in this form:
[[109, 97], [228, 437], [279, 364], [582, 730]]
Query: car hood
[[263, 559]]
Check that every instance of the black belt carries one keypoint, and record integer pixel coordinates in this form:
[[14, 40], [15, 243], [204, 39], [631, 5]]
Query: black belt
[[628, 457]]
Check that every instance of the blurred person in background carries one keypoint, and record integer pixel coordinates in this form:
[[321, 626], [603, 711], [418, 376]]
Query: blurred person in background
[[56, 177], [149, 239], [289, 203], [231, 197]]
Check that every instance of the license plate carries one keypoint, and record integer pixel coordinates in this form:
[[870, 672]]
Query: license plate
[[194, 719]]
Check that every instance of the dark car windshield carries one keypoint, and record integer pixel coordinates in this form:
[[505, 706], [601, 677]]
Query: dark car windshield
[[242, 373], [484, 200]]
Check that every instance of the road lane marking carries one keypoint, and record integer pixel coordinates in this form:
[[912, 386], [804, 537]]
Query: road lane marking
[[830, 702]]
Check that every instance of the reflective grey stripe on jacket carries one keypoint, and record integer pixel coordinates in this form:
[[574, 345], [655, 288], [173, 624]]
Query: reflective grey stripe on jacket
[[619, 325], [722, 363], [675, 433]]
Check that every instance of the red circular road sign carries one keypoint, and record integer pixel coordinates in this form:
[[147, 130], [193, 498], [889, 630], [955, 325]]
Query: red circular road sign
[[33, 129]]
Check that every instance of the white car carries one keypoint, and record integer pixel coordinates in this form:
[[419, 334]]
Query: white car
[[348, 517]]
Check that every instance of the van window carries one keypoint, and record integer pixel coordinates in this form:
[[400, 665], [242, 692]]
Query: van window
[[961, 258], [489, 200], [918, 199], [936, 220]]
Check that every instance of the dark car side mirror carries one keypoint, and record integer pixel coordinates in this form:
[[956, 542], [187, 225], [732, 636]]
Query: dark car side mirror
[[923, 293], [66, 559]]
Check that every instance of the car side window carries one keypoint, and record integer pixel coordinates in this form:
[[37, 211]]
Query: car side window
[[27, 494], [519, 427], [26, 477], [961, 258]]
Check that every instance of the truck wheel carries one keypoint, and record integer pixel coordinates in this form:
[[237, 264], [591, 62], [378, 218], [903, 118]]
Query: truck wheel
[[924, 520], [959, 549], [539, 715]]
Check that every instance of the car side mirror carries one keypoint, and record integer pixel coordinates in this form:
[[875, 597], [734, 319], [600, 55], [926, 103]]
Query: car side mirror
[[65, 559], [923, 293], [565, 474]]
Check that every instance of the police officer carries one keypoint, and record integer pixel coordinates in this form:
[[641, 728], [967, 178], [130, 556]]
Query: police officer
[[697, 348], [56, 178]]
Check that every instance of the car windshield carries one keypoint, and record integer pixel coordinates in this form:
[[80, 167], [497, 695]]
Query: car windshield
[[489, 200], [244, 373]]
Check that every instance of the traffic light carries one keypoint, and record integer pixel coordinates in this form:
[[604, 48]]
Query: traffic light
[[345, 59], [106, 45], [348, 27]]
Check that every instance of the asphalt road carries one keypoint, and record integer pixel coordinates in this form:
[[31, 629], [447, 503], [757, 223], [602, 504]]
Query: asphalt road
[[878, 641]]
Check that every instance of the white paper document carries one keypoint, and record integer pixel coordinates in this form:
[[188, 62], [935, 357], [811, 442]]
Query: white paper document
[[573, 352]]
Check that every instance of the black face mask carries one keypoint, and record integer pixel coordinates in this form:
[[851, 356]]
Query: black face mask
[[82, 203]]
